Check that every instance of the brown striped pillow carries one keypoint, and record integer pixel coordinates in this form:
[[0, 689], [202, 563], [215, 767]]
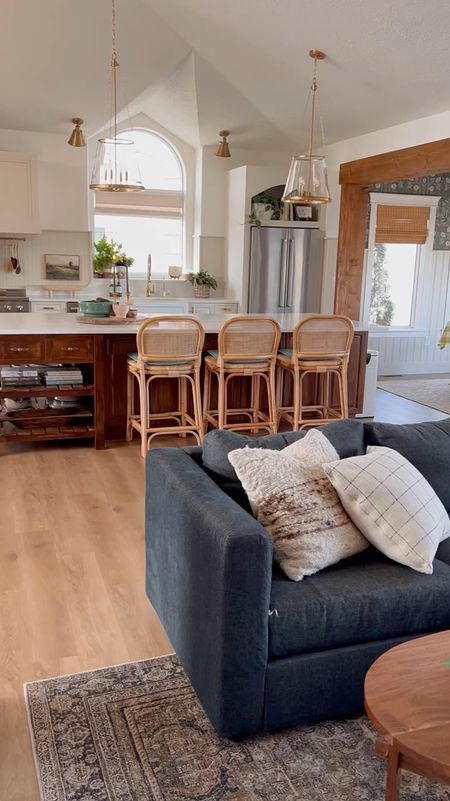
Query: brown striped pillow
[[300, 508]]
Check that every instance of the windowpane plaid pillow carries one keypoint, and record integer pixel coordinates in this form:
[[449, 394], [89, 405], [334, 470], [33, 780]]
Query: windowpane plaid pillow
[[392, 504]]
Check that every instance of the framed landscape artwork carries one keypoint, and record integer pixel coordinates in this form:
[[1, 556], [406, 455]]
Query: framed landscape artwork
[[62, 268]]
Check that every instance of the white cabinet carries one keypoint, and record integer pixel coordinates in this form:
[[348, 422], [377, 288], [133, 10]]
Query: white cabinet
[[214, 307], [48, 305], [145, 306], [19, 207]]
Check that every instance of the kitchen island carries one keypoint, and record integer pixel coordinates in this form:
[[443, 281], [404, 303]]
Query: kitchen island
[[101, 351]]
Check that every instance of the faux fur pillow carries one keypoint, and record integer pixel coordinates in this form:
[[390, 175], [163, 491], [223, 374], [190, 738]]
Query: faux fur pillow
[[314, 448], [300, 508]]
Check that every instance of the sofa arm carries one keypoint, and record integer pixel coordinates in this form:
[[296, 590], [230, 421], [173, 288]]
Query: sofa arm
[[208, 575]]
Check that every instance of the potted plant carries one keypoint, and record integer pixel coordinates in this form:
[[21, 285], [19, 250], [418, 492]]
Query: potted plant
[[122, 260], [202, 282], [108, 252], [105, 252], [266, 207], [253, 218]]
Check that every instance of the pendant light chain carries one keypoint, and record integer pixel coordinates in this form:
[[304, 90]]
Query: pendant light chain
[[320, 117], [314, 88], [318, 107], [115, 167], [114, 65], [113, 21]]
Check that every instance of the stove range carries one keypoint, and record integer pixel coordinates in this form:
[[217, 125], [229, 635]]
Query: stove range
[[14, 300]]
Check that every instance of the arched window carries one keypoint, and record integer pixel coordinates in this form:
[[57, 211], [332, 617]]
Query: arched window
[[150, 221]]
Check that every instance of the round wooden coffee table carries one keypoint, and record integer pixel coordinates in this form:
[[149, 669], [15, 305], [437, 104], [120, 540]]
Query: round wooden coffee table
[[407, 698]]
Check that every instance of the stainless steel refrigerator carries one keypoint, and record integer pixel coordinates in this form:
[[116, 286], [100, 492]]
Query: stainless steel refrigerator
[[286, 266]]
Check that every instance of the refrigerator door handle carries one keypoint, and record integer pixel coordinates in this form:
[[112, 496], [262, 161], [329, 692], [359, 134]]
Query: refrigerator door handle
[[290, 273], [282, 284]]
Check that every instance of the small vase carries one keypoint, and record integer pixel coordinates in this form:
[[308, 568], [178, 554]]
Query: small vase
[[121, 309], [201, 291]]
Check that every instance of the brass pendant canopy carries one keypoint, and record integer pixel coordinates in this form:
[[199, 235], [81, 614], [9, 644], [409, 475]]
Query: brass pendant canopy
[[116, 166], [77, 136], [307, 181], [223, 151]]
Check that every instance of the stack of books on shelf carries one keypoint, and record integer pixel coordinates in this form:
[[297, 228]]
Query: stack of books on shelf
[[23, 376], [63, 375]]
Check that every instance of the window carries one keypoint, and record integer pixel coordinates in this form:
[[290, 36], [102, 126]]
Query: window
[[149, 221], [398, 260], [394, 278]]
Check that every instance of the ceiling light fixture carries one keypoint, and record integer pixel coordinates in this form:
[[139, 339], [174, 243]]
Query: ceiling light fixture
[[223, 151], [115, 166], [77, 136], [307, 182]]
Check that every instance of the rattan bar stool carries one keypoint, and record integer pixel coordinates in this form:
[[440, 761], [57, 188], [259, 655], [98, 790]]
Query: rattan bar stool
[[247, 346], [167, 347], [320, 346]]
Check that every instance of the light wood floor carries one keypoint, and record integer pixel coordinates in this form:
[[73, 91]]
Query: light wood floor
[[72, 573], [393, 409], [71, 579]]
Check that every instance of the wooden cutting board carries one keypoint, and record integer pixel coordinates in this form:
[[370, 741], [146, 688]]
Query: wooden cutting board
[[106, 320]]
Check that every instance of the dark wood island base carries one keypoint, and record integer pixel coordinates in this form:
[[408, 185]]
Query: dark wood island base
[[103, 358]]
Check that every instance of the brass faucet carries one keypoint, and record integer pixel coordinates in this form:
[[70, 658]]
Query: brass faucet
[[149, 290]]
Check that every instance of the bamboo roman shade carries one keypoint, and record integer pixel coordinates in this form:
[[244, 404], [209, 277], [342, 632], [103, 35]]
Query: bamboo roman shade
[[402, 224], [163, 203]]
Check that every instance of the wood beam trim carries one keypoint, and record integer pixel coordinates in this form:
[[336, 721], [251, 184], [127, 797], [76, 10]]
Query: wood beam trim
[[411, 162], [351, 244]]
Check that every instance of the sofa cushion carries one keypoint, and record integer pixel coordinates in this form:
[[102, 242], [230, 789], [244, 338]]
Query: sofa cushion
[[443, 552], [218, 443], [425, 445], [347, 436], [364, 598]]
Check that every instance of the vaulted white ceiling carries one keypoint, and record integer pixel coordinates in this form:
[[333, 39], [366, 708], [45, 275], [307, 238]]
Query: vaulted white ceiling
[[199, 65]]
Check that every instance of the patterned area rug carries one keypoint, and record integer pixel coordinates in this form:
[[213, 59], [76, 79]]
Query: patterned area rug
[[433, 392], [136, 732]]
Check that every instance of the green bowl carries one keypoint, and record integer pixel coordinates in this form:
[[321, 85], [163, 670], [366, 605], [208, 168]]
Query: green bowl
[[96, 308]]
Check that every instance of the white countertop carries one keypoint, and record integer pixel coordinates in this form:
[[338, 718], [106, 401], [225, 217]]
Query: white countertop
[[63, 323]]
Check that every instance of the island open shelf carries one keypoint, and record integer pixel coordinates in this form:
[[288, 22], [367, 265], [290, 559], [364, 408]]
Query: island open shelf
[[52, 338], [43, 391], [40, 434]]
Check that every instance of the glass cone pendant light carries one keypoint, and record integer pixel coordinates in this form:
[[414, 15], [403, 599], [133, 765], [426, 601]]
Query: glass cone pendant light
[[115, 167], [307, 182]]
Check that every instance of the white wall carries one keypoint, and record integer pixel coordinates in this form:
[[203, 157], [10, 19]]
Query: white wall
[[416, 132], [31, 258], [66, 204], [215, 171], [63, 206], [406, 355], [62, 177], [243, 183], [213, 245], [398, 354]]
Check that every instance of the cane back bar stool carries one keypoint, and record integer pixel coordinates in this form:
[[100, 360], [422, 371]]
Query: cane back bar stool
[[320, 346], [167, 347], [247, 346]]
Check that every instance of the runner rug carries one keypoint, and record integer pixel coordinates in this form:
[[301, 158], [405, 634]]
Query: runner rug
[[434, 392]]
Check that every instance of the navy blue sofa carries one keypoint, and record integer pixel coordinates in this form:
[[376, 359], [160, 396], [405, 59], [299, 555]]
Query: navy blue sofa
[[263, 652]]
